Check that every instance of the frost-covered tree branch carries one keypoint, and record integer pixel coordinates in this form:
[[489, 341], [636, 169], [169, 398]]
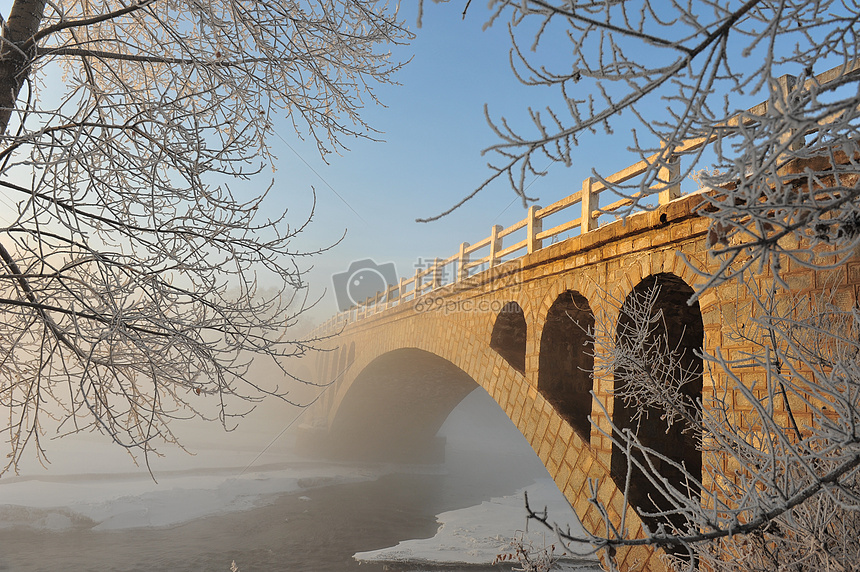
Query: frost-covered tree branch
[[770, 491], [136, 282], [677, 72]]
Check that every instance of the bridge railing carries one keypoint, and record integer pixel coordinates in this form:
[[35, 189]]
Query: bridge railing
[[528, 235], [506, 244]]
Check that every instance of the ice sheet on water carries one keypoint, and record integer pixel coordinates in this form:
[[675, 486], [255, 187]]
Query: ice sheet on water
[[122, 501], [476, 535]]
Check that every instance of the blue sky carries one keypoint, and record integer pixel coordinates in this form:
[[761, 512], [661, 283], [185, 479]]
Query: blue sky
[[434, 131]]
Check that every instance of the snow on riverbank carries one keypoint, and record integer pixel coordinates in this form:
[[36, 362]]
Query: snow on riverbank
[[476, 535]]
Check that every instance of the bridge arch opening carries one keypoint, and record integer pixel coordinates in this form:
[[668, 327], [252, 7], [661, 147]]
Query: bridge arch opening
[[395, 407], [509, 336], [322, 365], [332, 365], [341, 364], [567, 360], [659, 335]]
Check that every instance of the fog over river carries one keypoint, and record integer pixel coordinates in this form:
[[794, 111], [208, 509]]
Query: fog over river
[[93, 510]]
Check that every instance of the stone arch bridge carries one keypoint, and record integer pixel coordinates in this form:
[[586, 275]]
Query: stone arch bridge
[[513, 320], [517, 330]]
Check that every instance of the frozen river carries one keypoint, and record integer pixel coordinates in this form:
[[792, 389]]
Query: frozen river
[[284, 512]]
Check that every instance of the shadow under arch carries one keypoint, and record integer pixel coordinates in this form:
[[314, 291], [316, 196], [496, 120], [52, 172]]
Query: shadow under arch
[[567, 360], [681, 330], [395, 407]]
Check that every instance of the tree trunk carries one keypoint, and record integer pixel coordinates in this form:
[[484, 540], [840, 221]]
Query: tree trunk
[[16, 52]]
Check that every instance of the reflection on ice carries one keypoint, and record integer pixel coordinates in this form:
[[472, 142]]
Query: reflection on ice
[[476, 535]]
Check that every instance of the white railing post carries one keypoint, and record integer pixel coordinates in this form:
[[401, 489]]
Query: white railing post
[[786, 84], [437, 273], [400, 288], [534, 226], [495, 244], [671, 172], [588, 199], [389, 295], [463, 262], [417, 283]]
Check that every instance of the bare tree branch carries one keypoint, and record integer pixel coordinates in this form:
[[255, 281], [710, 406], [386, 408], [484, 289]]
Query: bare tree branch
[[137, 285]]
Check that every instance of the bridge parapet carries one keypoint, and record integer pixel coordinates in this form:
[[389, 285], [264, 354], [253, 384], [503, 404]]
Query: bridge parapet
[[523, 237]]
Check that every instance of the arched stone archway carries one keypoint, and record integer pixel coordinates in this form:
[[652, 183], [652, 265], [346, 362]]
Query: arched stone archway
[[567, 360], [341, 362], [659, 335], [395, 407], [509, 336], [322, 365], [333, 370]]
